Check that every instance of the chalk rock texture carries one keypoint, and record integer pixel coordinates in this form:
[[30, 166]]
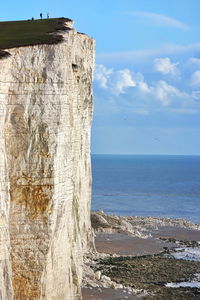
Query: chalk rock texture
[[45, 115]]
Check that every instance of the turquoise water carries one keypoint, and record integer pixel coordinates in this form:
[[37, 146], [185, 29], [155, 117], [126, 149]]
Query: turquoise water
[[145, 185]]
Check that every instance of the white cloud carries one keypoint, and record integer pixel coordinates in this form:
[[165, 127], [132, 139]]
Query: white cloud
[[102, 75], [165, 66], [162, 93], [116, 81], [125, 89], [196, 95], [143, 87], [160, 20], [194, 61], [122, 79], [165, 92], [138, 56], [195, 80]]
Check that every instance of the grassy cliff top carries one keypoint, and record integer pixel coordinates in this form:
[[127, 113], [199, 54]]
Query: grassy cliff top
[[32, 32]]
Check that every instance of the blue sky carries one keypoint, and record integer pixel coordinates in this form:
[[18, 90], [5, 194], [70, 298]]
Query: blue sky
[[147, 78]]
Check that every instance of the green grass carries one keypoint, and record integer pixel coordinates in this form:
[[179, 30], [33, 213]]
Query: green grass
[[31, 32]]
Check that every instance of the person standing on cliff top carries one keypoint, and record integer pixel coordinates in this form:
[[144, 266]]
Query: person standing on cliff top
[[41, 15]]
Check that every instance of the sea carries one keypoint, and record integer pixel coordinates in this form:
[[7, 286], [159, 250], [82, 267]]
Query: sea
[[147, 185]]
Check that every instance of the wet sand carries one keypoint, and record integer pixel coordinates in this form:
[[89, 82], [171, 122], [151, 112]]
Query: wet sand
[[177, 233], [107, 294], [122, 244]]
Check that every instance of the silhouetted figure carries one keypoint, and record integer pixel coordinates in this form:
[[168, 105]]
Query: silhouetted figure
[[48, 16], [41, 15], [32, 19]]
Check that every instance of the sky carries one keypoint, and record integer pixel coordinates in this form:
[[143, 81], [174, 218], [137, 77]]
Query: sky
[[147, 75]]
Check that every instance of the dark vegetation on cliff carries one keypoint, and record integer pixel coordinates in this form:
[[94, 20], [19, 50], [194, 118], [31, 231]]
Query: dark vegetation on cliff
[[31, 32]]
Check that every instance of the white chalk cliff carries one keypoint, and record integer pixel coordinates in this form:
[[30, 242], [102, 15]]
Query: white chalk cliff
[[45, 120]]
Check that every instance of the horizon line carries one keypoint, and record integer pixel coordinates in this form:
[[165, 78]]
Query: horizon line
[[158, 154]]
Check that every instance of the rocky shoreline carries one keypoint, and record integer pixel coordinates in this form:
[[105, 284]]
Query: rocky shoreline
[[134, 259]]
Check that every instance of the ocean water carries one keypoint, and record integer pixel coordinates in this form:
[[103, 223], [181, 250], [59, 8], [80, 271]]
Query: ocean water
[[147, 185]]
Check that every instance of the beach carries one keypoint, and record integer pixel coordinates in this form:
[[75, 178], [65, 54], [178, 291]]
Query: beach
[[146, 245]]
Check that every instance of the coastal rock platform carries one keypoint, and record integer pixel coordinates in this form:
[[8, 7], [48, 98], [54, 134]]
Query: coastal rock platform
[[135, 253]]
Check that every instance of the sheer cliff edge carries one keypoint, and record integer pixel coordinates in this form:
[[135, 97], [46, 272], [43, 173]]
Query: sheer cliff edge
[[46, 110]]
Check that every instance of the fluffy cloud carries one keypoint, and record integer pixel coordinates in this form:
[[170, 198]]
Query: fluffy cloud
[[160, 20], [102, 75], [195, 80], [165, 93], [121, 80], [143, 87], [165, 66], [125, 89], [117, 82]]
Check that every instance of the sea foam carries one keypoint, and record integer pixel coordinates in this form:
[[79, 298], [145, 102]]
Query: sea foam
[[187, 253]]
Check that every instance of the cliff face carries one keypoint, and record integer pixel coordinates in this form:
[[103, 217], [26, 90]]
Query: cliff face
[[46, 109]]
